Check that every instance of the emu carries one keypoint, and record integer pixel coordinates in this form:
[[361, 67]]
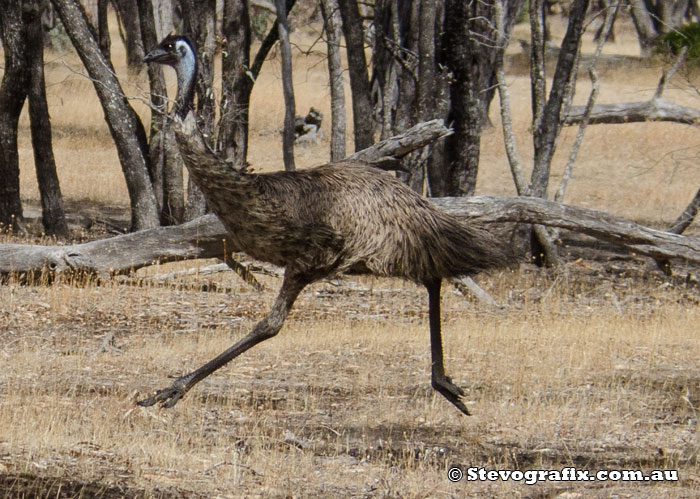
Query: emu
[[345, 217]]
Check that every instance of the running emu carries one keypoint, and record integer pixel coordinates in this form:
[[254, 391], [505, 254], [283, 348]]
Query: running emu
[[345, 217]]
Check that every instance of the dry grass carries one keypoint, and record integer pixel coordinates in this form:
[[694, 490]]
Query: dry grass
[[585, 371], [595, 366]]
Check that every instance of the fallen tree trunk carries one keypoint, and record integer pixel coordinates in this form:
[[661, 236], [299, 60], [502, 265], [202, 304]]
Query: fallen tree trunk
[[656, 109], [599, 224], [205, 237]]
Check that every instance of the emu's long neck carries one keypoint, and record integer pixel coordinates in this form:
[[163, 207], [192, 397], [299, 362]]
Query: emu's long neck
[[186, 71]]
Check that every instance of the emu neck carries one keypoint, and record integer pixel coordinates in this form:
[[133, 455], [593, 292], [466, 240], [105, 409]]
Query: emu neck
[[186, 72]]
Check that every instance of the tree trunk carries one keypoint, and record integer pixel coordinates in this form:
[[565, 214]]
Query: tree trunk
[[130, 31], [287, 86], [239, 76], [103, 38], [124, 125], [53, 216], [548, 114], [332, 26], [166, 166], [237, 81], [470, 54], [643, 23], [200, 24], [359, 79], [13, 92], [546, 132], [432, 89]]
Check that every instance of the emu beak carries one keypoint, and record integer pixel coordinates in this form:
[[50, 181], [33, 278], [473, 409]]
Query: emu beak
[[155, 55]]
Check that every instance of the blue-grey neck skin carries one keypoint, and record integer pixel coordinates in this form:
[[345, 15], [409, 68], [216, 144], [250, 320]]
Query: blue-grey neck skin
[[186, 71]]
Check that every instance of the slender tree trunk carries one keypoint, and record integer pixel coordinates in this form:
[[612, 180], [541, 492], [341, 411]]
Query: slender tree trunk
[[200, 24], [546, 132], [130, 32], [643, 23], [237, 81], [124, 124], [359, 79], [332, 25], [53, 216], [166, 166], [103, 38], [287, 87], [548, 114], [239, 76], [687, 217], [13, 92]]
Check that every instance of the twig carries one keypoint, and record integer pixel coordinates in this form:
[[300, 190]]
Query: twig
[[668, 74], [229, 463]]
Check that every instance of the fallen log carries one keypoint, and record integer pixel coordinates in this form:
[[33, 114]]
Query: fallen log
[[598, 224], [656, 109], [206, 237]]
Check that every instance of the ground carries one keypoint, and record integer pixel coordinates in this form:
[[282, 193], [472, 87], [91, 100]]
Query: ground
[[592, 366]]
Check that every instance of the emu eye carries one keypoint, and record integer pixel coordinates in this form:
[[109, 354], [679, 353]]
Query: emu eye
[[169, 46]]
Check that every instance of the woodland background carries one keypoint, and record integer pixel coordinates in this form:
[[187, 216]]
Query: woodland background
[[589, 359]]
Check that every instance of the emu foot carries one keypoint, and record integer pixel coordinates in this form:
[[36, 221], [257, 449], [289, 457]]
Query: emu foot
[[453, 393], [167, 397]]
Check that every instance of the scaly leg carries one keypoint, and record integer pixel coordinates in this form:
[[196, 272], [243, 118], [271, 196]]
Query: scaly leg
[[266, 328], [443, 384]]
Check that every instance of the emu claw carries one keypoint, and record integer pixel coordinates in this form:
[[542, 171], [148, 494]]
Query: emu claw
[[451, 392], [167, 397]]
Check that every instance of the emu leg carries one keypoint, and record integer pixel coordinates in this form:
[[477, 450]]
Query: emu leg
[[443, 384], [266, 328]]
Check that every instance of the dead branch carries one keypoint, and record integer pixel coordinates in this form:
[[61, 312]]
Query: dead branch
[[598, 224], [655, 109]]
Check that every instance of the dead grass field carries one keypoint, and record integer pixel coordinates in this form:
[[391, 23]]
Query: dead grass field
[[594, 366]]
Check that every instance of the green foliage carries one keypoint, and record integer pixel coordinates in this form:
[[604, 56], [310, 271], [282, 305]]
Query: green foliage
[[685, 36]]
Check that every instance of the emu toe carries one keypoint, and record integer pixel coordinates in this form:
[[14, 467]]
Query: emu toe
[[167, 397], [451, 392]]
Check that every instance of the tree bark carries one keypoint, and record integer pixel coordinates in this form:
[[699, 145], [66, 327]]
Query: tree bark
[[237, 81], [332, 26], [657, 109], [123, 122], [287, 87], [13, 92], [470, 53], [546, 133], [239, 76], [359, 78], [53, 215], [200, 24], [166, 166], [103, 38], [130, 31]]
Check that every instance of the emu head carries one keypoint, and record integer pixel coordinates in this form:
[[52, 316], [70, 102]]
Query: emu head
[[171, 51], [178, 52]]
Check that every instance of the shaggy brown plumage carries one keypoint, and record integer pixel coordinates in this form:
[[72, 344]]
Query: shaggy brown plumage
[[345, 217]]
